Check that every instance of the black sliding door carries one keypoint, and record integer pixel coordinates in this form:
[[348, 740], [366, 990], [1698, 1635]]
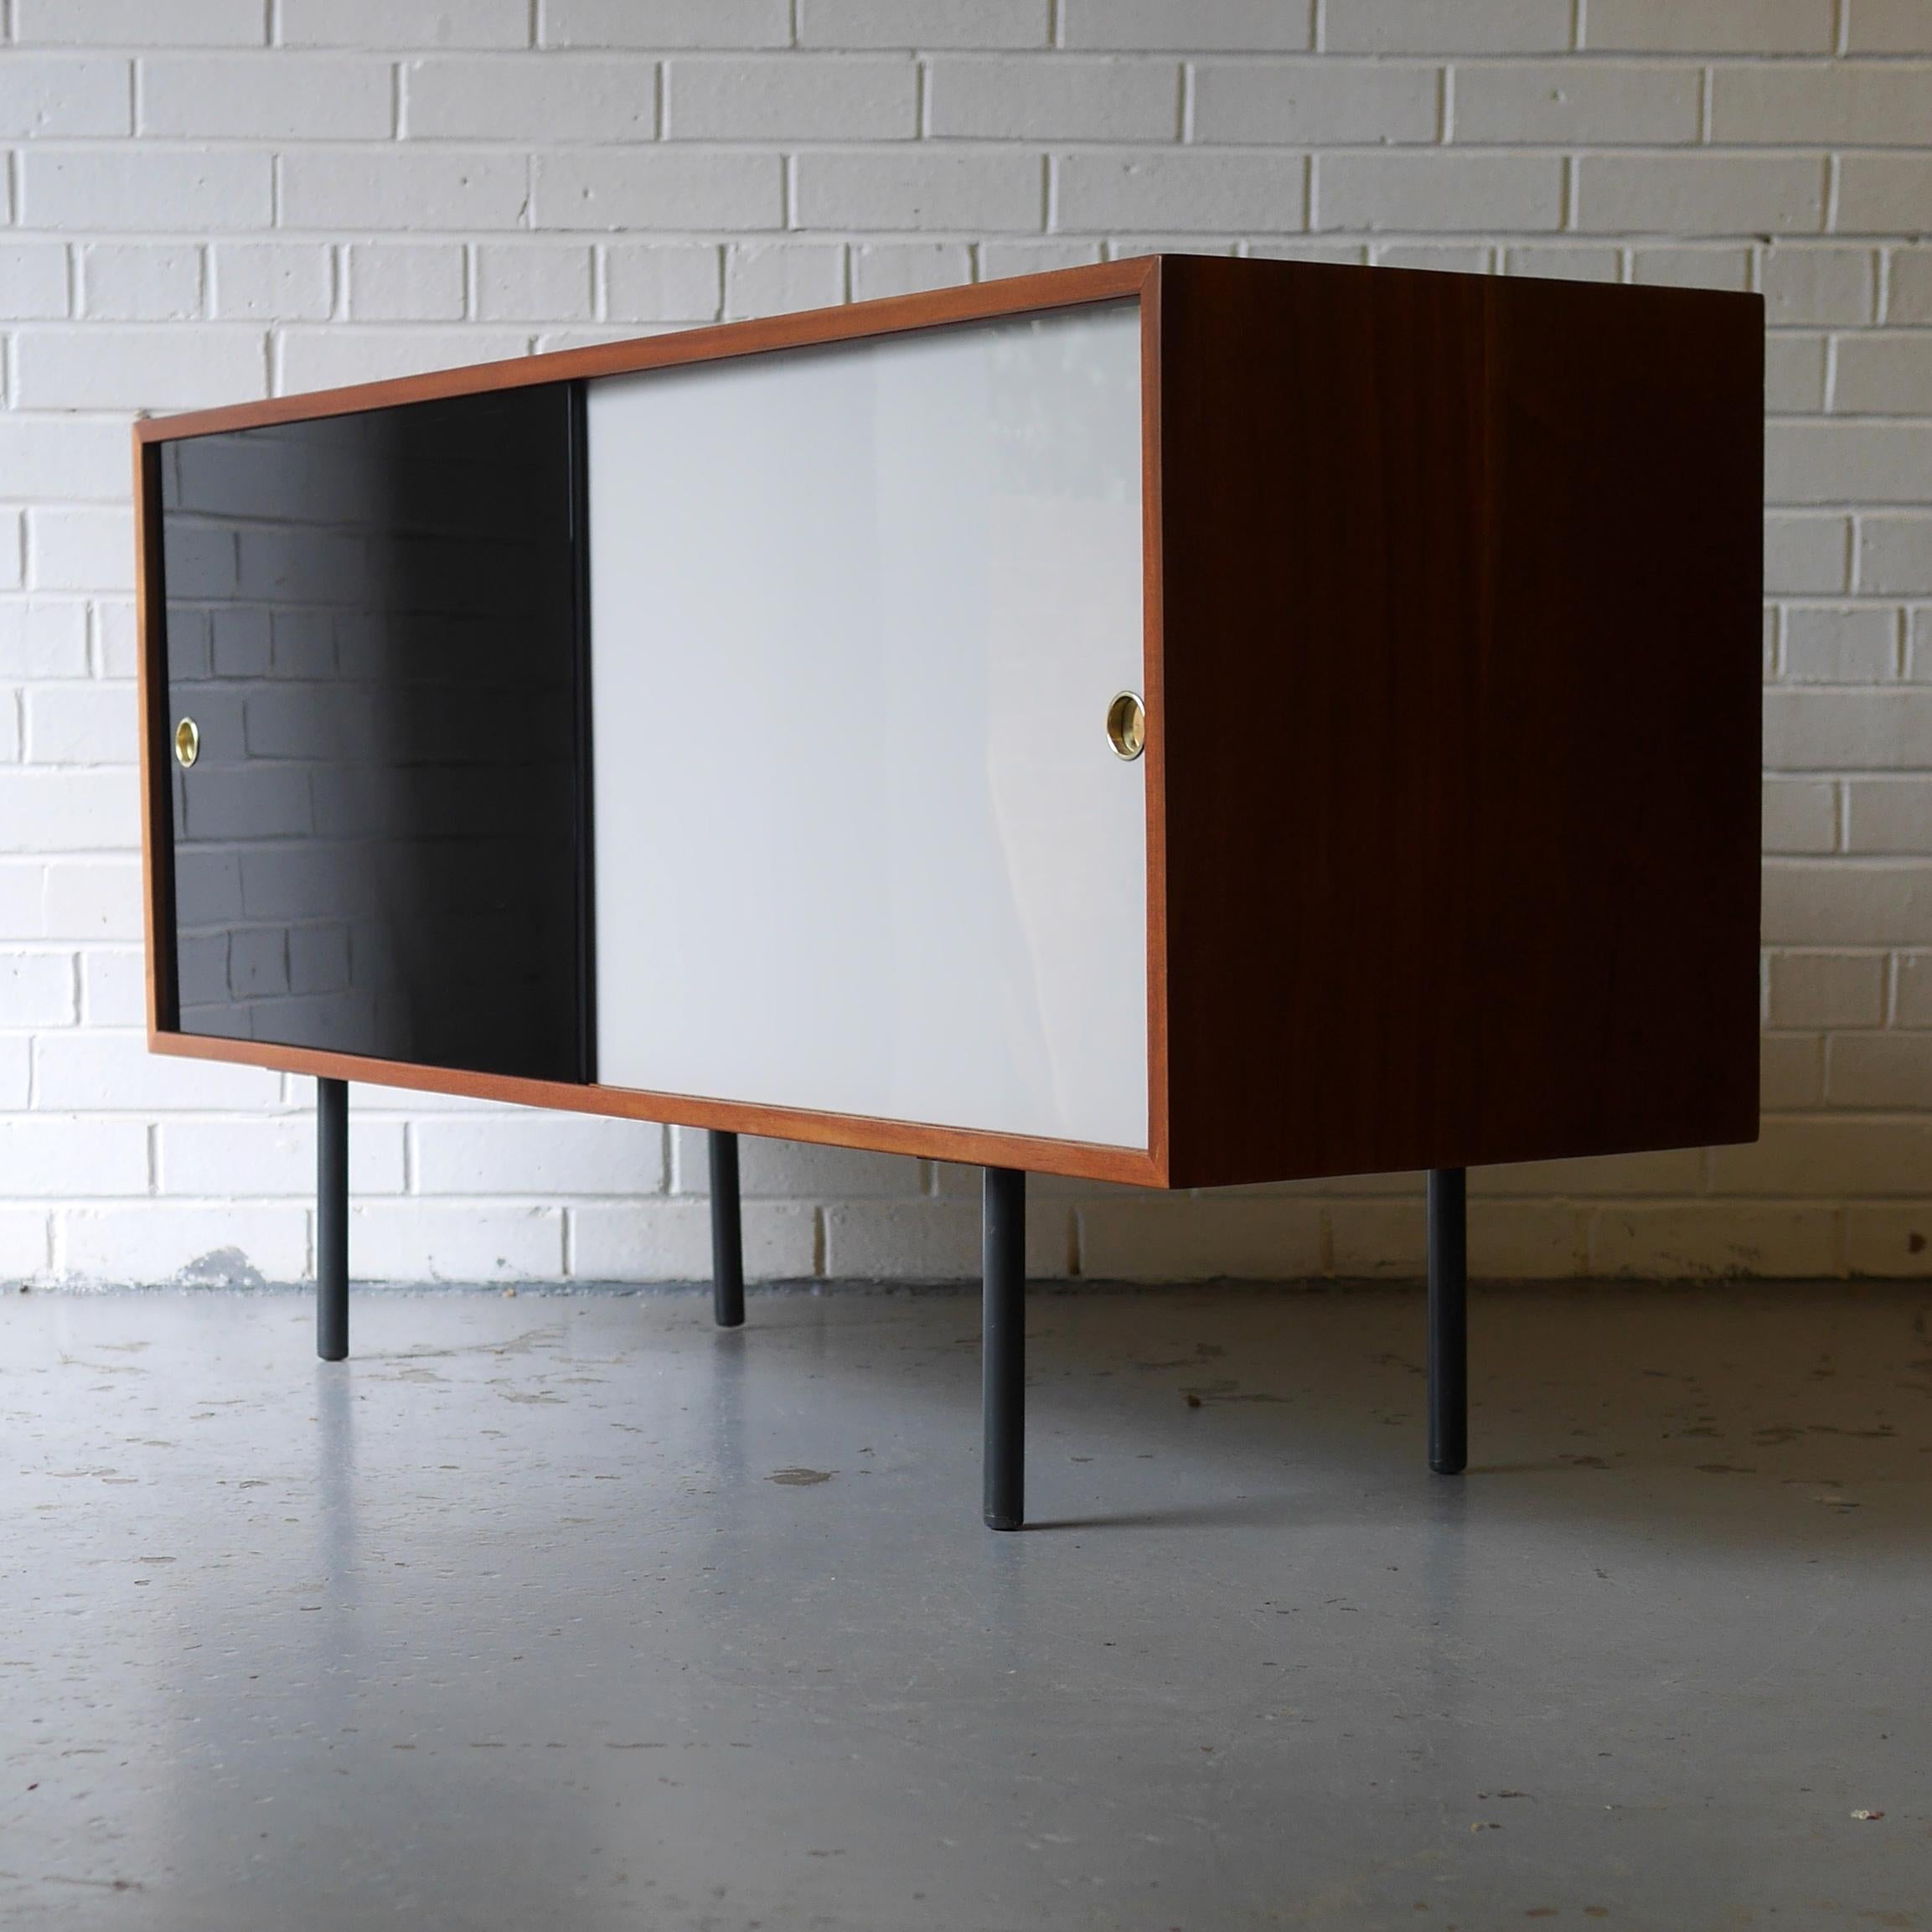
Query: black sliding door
[[372, 653]]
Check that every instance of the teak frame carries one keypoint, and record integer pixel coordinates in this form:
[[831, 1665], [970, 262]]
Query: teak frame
[[1511, 661]]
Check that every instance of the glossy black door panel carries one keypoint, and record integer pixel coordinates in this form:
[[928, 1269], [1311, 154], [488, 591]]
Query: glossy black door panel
[[373, 622]]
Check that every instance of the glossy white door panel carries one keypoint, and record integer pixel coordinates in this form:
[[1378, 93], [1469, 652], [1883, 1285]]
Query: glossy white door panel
[[857, 613]]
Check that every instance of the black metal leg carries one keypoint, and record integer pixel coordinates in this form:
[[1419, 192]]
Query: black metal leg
[[728, 1234], [332, 1219], [1003, 1321], [1448, 1401]]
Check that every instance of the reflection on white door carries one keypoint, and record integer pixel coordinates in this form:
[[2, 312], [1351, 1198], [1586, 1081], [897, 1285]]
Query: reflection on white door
[[856, 616]]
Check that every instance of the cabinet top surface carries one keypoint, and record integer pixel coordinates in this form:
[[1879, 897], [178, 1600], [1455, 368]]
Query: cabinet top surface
[[891, 315]]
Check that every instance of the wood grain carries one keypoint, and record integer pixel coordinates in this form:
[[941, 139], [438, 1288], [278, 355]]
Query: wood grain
[[1460, 649]]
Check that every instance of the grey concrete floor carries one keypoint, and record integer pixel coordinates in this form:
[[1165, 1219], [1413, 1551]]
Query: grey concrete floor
[[561, 1612]]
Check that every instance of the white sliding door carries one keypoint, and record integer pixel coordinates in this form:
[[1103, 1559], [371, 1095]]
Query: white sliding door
[[857, 612]]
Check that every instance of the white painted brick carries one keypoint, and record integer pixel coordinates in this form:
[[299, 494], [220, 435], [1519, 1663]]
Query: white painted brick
[[922, 22], [12, 550], [635, 190], [1888, 1241], [220, 1159], [1888, 27], [1667, 1170], [1884, 375], [1674, 267], [1710, 26], [1695, 1240], [541, 281], [63, 457], [1795, 373], [1877, 902], [1848, 644], [1700, 194], [114, 1071], [141, 281], [404, 281], [26, 1244], [32, 280], [44, 1156], [1604, 103], [1913, 979], [1298, 103], [271, 97], [1566, 262], [1438, 257], [1068, 98], [794, 1169], [403, 187], [1164, 1237], [113, 988], [1791, 105], [931, 1241], [1189, 26], [791, 97], [68, 810], [10, 728], [43, 638], [116, 637], [427, 1241], [91, 900], [46, 96], [1446, 26], [1883, 194], [23, 891], [405, 23], [999, 259], [1791, 1071], [775, 277], [1848, 730], [1816, 285], [321, 357], [1525, 1241], [221, 1246], [270, 281], [929, 187], [1377, 1240], [1457, 192], [663, 282], [551, 98], [1824, 462], [120, 190], [1919, 647], [1823, 989], [671, 1241], [1889, 815], [1799, 816], [901, 267], [139, 22], [666, 23], [1880, 1070], [82, 723], [1894, 555], [104, 367], [80, 550], [1826, 1158], [1805, 553], [539, 1153], [37, 990], [1184, 192]]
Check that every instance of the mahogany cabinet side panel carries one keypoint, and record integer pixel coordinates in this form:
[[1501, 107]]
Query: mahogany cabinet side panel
[[1460, 679]]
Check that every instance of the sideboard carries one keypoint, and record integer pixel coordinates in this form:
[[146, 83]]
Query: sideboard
[[1181, 721]]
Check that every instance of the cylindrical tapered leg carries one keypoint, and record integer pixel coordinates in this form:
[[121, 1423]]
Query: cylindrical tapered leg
[[332, 1219], [1003, 1331], [728, 1234], [1448, 1417]]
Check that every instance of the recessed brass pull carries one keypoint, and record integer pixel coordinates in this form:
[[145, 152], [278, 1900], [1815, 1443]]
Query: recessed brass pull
[[187, 743], [1127, 725]]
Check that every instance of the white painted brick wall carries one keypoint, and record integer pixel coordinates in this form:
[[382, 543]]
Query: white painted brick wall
[[208, 200]]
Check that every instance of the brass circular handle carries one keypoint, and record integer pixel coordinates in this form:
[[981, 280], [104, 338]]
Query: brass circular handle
[[1127, 725], [187, 743]]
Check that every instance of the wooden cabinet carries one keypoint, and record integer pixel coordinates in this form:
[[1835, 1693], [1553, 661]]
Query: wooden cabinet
[[714, 729], [1182, 721]]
